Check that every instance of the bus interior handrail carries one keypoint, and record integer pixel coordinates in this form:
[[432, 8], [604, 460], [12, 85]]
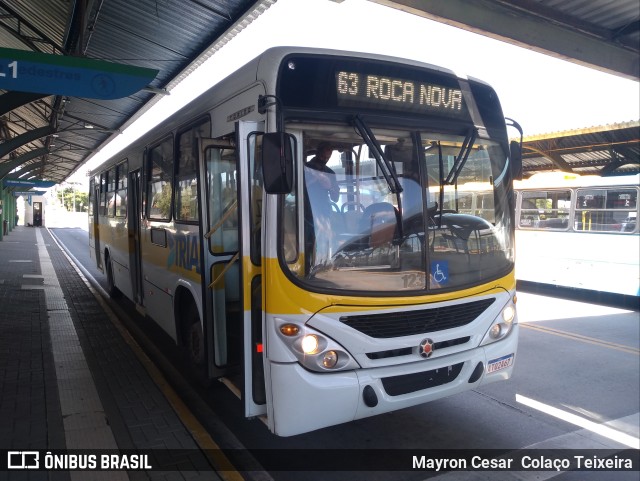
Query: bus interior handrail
[[233, 260], [222, 220]]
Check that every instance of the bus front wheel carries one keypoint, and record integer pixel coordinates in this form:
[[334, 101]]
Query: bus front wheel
[[193, 336], [111, 285]]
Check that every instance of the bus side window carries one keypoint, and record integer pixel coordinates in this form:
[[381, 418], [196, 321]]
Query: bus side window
[[121, 189], [159, 180], [102, 210], [111, 192], [92, 197], [186, 172], [256, 194], [605, 210], [545, 209], [222, 206], [222, 195]]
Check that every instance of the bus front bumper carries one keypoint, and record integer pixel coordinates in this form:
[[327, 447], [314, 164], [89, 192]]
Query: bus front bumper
[[304, 401]]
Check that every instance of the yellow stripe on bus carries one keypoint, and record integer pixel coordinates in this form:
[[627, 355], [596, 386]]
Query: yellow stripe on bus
[[287, 298]]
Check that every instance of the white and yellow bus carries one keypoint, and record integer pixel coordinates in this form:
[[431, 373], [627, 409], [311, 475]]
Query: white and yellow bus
[[579, 231], [320, 309]]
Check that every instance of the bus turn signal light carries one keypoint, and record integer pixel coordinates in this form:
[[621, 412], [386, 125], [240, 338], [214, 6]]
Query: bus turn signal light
[[289, 330]]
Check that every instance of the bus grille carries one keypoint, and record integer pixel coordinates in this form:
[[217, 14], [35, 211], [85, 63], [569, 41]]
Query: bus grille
[[407, 323], [405, 351], [398, 385]]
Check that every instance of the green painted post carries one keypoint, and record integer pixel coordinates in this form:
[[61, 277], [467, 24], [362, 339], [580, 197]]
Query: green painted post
[[12, 219], [2, 214]]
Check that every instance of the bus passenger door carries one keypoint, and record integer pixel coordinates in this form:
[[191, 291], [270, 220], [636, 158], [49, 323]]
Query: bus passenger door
[[133, 217], [94, 240], [230, 278], [250, 198], [222, 309], [96, 222]]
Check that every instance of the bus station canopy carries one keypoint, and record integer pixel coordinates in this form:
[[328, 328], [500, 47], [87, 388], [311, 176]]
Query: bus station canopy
[[605, 150], [49, 137]]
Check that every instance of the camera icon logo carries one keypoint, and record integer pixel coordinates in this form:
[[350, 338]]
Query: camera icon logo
[[23, 460]]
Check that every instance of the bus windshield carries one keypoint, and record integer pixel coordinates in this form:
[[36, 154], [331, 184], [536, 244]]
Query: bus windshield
[[348, 227]]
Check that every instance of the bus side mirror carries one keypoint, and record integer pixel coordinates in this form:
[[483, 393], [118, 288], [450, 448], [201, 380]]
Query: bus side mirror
[[515, 151], [516, 160], [277, 162]]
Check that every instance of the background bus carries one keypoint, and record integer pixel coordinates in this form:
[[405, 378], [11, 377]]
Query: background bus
[[579, 231], [317, 311]]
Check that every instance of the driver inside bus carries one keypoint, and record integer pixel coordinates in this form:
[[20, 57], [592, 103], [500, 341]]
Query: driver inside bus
[[324, 178], [323, 191]]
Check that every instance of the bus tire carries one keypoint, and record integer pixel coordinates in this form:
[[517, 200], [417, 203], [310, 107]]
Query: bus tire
[[193, 336], [111, 285]]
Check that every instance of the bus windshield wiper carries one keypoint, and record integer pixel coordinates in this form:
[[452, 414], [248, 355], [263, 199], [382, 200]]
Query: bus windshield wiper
[[441, 181], [462, 157], [385, 166]]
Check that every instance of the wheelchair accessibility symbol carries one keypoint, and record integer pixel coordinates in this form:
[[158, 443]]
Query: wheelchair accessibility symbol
[[440, 272]]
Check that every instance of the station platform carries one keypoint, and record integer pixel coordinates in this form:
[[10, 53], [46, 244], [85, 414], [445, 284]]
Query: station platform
[[69, 379]]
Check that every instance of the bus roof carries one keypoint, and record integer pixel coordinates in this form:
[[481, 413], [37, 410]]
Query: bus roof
[[571, 179]]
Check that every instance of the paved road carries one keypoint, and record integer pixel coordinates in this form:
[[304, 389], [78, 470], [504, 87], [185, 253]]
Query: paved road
[[576, 385]]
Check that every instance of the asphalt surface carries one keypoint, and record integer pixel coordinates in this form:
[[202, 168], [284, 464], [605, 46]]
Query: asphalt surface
[[576, 385]]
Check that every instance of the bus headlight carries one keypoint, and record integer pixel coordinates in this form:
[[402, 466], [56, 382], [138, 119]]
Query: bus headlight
[[309, 344], [508, 313], [502, 325], [495, 331], [330, 359], [314, 350]]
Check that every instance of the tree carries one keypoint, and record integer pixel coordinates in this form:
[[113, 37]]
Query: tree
[[74, 200]]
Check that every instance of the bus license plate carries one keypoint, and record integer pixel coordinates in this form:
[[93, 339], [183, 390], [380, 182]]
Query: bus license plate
[[500, 363]]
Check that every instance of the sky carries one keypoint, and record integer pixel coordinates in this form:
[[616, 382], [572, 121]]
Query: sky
[[543, 94]]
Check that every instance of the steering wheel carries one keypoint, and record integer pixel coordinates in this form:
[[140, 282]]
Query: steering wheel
[[359, 206]]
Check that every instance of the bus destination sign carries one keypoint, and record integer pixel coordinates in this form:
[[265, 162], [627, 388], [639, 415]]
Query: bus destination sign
[[387, 92]]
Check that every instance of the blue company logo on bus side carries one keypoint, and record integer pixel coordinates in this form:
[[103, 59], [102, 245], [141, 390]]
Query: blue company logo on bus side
[[184, 252]]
